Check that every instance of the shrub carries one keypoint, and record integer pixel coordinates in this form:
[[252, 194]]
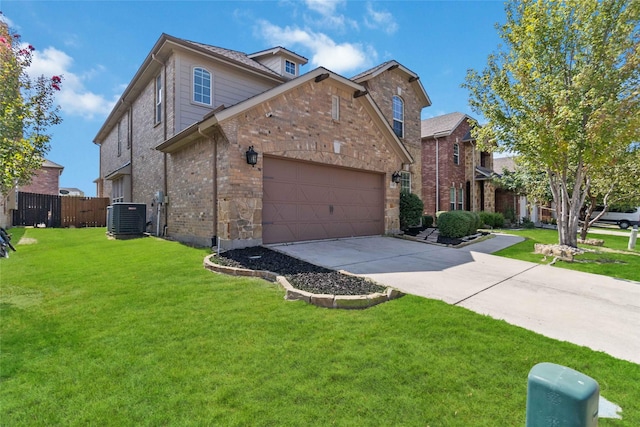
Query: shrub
[[455, 224], [527, 223], [493, 220], [427, 221], [411, 208]]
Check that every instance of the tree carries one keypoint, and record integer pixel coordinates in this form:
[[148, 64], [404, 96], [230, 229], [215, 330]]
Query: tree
[[563, 93], [26, 112]]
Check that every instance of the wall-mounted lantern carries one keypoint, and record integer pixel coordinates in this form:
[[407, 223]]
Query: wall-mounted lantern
[[396, 177], [252, 156]]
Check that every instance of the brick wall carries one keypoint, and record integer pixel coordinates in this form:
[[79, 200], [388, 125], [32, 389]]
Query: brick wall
[[300, 127], [382, 89], [45, 181]]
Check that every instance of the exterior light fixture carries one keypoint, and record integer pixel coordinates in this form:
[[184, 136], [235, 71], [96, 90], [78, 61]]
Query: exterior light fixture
[[396, 177], [252, 156]]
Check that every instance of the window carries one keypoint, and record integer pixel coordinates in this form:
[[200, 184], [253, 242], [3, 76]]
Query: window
[[119, 139], [117, 191], [405, 181], [158, 99], [452, 199], [201, 86], [456, 154], [461, 199], [290, 67], [398, 116], [335, 107]]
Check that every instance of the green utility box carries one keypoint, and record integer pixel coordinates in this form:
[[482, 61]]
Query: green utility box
[[560, 396]]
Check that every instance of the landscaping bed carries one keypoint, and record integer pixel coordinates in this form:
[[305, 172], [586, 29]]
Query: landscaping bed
[[301, 274]]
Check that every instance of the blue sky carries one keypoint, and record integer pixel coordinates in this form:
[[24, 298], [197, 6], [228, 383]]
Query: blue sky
[[98, 46]]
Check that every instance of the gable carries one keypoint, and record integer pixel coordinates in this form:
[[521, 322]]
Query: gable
[[293, 89]]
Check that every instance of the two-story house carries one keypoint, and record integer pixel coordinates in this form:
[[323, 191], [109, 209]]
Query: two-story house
[[455, 174], [237, 150]]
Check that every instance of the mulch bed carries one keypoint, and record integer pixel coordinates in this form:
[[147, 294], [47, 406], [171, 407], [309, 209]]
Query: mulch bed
[[301, 274]]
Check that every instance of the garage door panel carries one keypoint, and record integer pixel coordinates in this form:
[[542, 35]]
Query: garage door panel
[[305, 201]]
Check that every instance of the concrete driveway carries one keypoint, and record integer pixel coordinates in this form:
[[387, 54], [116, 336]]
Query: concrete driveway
[[598, 312]]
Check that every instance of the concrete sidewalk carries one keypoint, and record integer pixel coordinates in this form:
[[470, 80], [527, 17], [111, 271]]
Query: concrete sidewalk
[[599, 312]]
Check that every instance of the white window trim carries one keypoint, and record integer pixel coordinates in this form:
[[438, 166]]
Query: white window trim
[[393, 114], [295, 67], [193, 86], [452, 197], [405, 177], [456, 154], [158, 103], [460, 199], [335, 108]]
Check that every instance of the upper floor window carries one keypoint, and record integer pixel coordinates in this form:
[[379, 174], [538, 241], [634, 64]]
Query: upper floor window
[[335, 108], [290, 67], [119, 138], [398, 116], [201, 86], [456, 154], [405, 181], [158, 117]]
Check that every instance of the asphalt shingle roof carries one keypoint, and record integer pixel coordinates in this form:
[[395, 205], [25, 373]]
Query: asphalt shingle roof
[[443, 125]]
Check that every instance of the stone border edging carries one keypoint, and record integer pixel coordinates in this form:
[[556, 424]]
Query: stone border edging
[[293, 294]]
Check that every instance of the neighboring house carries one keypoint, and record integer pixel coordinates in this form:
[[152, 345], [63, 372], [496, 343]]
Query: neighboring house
[[45, 181], [455, 174], [327, 147], [71, 191]]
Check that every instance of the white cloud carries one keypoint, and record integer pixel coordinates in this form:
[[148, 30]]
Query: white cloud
[[380, 20], [329, 18], [338, 57], [74, 98], [324, 7]]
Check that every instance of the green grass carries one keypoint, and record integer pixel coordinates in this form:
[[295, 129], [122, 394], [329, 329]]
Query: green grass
[[114, 333], [613, 259]]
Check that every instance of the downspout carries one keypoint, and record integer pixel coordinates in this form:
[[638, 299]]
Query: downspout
[[473, 177], [164, 130], [215, 191], [437, 176]]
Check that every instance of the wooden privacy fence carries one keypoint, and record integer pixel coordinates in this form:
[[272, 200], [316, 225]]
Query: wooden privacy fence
[[84, 211], [60, 211]]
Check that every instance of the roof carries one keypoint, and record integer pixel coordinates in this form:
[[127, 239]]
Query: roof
[[279, 50], [160, 52], [413, 78], [232, 55], [502, 163], [441, 126], [49, 164], [194, 131]]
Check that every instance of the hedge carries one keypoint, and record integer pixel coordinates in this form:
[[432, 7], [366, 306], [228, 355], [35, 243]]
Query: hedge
[[411, 208], [456, 224]]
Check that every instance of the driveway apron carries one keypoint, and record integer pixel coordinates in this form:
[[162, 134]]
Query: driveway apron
[[595, 311]]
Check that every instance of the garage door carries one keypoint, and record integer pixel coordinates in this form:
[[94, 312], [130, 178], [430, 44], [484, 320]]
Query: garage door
[[308, 201]]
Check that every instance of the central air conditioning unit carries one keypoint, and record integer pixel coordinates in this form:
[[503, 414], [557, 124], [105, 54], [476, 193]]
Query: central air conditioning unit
[[127, 219]]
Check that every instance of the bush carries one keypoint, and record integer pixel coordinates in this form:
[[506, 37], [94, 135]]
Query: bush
[[427, 221], [493, 220], [455, 224], [411, 208], [527, 223]]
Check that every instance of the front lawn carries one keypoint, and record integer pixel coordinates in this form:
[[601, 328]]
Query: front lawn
[[613, 259], [137, 332]]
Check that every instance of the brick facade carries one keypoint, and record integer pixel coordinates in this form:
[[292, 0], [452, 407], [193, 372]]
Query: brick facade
[[295, 125], [210, 191], [440, 174], [44, 181], [382, 89]]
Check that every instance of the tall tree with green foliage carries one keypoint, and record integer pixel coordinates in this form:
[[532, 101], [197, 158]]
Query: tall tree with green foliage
[[26, 112], [563, 92]]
